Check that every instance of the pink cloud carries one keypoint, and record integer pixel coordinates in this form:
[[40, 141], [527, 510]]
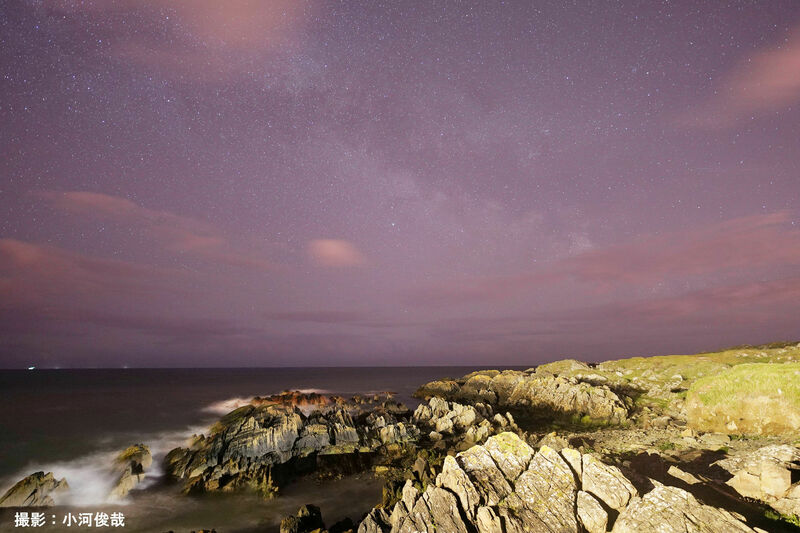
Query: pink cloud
[[741, 244], [48, 276], [750, 302], [209, 39], [175, 233], [746, 246], [335, 253], [765, 82]]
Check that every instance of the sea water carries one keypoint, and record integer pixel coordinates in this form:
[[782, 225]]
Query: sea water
[[74, 422]]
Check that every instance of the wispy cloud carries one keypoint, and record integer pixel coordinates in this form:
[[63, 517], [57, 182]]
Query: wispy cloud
[[740, 244], [765, 82], [335, 253], [36, 272], [739, 247], [175, 233], [203, 39]]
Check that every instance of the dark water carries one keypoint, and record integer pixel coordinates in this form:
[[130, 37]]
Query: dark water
[[74, 421]]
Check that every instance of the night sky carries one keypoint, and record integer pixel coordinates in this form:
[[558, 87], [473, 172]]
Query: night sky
[[289, 183]]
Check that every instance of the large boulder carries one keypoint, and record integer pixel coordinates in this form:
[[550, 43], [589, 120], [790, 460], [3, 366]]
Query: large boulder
[[36, 490], [767, 474], [569, 396], [672, 510], [444, 388]]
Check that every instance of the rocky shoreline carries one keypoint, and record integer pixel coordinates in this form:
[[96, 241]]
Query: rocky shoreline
[[621, 446]]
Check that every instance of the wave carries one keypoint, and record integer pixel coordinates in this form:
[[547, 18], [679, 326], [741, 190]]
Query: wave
[[92, 476], [223, 407]]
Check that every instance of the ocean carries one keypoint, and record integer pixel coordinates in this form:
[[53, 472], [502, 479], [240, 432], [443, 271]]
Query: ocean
[[74, 422]]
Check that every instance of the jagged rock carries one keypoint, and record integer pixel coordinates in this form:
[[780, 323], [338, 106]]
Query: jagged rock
[[591, 514], [307, 520], [436, 510], [504, 487], [131, 465], [489, 481], [552, 440], [510, 453], [575, 460], [672, 510], [606, 483], [487, 521], [460, 425], [249, 447], [595, 402], [376, 521], [457, 481], [478, 388], [406, 504], [686, 477], [766, 475], [36, 490], [544, 494], [569, 396]]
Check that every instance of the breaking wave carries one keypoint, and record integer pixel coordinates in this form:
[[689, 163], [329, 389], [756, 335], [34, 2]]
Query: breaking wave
[[91, 477], [224, 407]]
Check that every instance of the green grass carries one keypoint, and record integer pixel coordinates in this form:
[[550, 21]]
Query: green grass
[[692, 367], [666, 445], [789, 519], [750, 399], [731, 388]]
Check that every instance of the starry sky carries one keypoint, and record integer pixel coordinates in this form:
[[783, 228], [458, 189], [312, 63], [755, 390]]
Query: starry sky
[[292, 183]]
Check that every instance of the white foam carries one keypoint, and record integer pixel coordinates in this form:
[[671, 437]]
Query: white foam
[[91, 477], [224, 407]]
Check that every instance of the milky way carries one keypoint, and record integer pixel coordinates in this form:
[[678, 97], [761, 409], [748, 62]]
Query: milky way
[[203, 183]]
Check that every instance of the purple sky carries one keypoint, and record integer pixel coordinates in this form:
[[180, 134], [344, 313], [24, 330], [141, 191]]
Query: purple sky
[[272, 183]]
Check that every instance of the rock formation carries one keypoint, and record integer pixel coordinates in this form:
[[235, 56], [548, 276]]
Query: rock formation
[[459, 426], [259, 446], [36, 490], [504, 486], [308, 519], [770, 474], [131, 465], [536, 392]]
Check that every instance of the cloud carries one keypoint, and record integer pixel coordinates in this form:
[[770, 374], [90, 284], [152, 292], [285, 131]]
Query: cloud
[[766, 82], [335, 253], [759, 245], [175, 233], [42, 273], [750, 302], [205, 39], [741, 244], [43, 287]]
